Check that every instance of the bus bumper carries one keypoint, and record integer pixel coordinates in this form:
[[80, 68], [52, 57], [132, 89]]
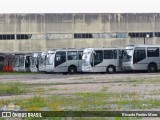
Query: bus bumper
[[87, 69], [127, 66]]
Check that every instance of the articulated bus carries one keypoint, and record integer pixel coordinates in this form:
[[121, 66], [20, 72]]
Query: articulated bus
[[142, 57], [64, 61], [42, 61], [102, 60]]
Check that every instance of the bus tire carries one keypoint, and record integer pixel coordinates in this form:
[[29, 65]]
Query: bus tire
[[111, 69], [72, 70], [152, 67]]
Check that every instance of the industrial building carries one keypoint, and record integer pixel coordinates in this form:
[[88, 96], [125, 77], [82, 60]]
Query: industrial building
[[41, 32]]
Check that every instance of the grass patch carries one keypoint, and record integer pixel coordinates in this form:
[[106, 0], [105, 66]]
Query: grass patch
[[143, 80], [15, 88], [104, 88], [36, 103], [17, 73], [87, 101], [38, 90], [52, 89], [83, 78]]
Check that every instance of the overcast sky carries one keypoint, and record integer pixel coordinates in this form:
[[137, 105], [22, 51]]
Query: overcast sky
[[79, 6]]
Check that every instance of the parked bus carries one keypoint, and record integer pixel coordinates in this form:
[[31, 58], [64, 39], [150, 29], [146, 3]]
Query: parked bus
[[42, 62], [64, 61], [142, 57], [8, 62], [24, 62], [34, 63], [102, 60], [2, 56], [17, 61]]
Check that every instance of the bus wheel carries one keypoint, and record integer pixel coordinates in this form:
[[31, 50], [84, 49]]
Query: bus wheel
[[72, 70], [111, 69], [152, 68]]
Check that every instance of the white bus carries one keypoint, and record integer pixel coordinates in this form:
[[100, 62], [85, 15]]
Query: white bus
[[102, 60], [142, 57], [42, 62], [64, 61], [24, 63], [34, 63], [16, 61]]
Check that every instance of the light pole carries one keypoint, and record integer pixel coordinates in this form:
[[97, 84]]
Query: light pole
[[147, 36]]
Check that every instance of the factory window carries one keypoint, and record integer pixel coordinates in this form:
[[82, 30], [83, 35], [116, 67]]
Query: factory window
[[23, 36], [121, 35], [140, 35], [95, 35], [7, 37], [35, 36], [82, 35], [114, 35], [20, 36], [157, 34], [50, 36], [86, 35], [105, 35]]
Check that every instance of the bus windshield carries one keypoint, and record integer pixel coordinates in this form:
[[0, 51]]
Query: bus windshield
[[86, 59], [127, 55], [50, 59], [16, 62], [21, 61], [41, 60], [33, 61], [11, 62]]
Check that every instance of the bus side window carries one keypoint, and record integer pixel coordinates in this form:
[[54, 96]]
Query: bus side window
[[60, 58], [152, 52], [27, 62], [80, 53], [115, 54], [121, 52], [72, 55], [139, 55], [108, 54], [98, 57]]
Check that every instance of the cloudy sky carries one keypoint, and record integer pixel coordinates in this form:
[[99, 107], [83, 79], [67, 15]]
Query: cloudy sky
[[80, 6]]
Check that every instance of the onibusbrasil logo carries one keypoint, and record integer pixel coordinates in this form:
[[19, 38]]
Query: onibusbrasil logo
[[7, 109], [13, 110], [11, 107]]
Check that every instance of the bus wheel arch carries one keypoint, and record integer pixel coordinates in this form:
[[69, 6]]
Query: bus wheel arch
[[72, 69], [152, 67], [111, 69]]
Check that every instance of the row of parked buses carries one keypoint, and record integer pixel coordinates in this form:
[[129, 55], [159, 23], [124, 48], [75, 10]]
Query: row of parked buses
[[109, 60]]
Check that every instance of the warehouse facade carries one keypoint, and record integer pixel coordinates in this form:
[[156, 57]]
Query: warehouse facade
[[41, 32]]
